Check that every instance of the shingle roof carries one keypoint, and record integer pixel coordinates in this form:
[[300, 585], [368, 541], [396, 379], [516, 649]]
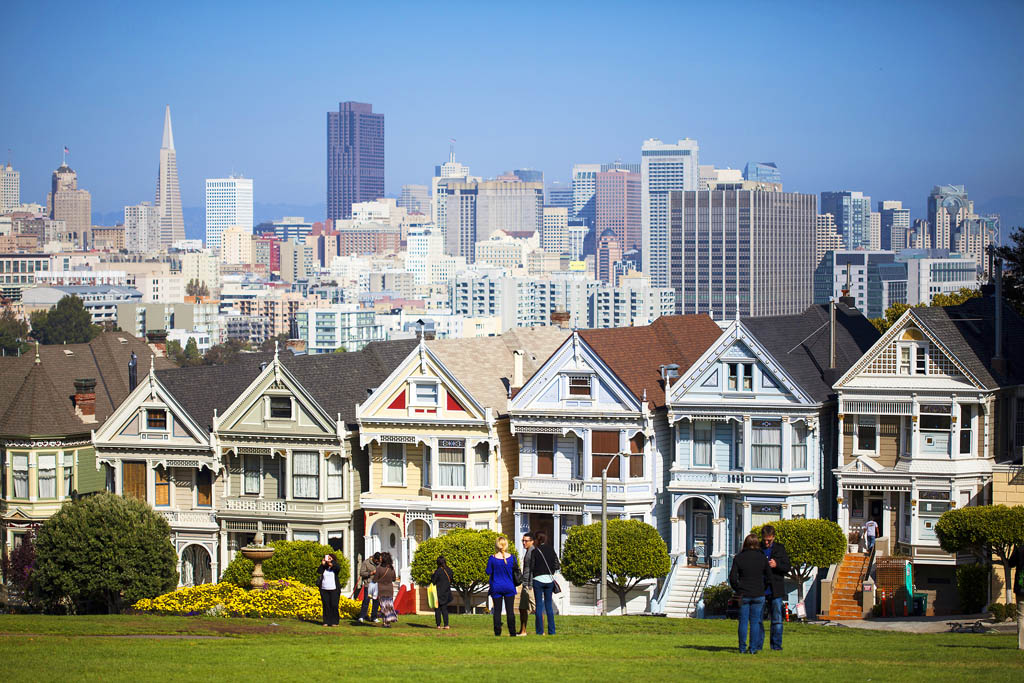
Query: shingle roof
[[801, 344], [635, 353]]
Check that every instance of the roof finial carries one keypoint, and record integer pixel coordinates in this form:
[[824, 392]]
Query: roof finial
[[152, 364], [37, 361], [275, 349]]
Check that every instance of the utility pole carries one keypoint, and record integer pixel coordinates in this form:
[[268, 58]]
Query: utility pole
[[604, 536]]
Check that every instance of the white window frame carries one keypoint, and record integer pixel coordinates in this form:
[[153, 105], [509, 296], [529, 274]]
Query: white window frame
[[414, 399], [67, 462], [195, 489], [466, 471], [169, 484], [569, 377], [486, 466], [856, 434], [15, 469], [39, 476], [338, 476], [384, 464], [968, 427], [917, 350], [291, 400], [259, 474], [794, 445], [315, 476], [711, 444]]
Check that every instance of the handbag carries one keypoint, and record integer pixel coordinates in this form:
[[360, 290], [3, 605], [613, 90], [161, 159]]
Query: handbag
[[517, 573], [371, 590], [555, 588], [432, 596]]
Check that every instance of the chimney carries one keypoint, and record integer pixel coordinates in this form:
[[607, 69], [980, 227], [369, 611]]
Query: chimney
[[998, 360], [846, 299], [158, 341], [561, 319], [517, 368], [668, 373], [85, 399], [133, 372]]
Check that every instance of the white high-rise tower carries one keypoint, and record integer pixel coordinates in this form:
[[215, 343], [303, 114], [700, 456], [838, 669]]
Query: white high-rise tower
[[10, 188], [228, 204], [664, 167], [168, 195]]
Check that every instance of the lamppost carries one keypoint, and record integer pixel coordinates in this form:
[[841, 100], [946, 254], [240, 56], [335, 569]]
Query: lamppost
[[604, 535]]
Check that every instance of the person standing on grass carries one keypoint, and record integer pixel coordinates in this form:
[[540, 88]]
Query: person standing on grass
[[329, 589], [385, 578], [748, 577], [442, 580], [526, 601], [778, 562], [1017, 560], [545, 564], [367, 569], [501, 568]]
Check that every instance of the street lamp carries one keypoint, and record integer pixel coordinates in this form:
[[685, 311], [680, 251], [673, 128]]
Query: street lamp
[[604, 535]]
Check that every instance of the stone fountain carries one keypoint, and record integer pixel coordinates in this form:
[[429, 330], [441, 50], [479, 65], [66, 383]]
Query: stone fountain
[[258, 553]]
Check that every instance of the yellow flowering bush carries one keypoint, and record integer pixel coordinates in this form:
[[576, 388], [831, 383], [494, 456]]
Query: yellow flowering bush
[[282, 598]]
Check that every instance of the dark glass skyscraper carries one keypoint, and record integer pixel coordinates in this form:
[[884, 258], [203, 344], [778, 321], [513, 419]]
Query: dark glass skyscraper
[[355, 157]]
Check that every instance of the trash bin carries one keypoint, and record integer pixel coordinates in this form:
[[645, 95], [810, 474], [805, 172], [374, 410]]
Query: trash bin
[[920, 604]]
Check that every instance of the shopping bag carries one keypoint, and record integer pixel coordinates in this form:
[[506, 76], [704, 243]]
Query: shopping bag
[[432, 596]]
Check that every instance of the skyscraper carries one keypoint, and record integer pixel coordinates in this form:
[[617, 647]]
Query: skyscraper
[[529, 175], [617, 207], [584, 189], [67, 203], [762, 172], [415, 199], [228, 203], [895, 224], [554, 232], [451, 169], [559, 195], [141, 228], [852, 211], [664, 167], [10, 188], [609, 252], [355, 157], [168, 195]]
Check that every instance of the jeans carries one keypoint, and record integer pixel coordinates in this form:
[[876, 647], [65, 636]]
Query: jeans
[[870, 542], [543, 593], [751, 610], [776, 627], [441, 614], [329, 601], [367, 601], [509, 602]]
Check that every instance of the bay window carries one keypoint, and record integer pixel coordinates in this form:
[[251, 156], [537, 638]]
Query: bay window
[[47, 476], [604, 448], [161, 487], [482, 464], [966, 413], [335, 478], [766, 445], [545, 454], [19, 472], [251, 474], [394, 464], [703, 442], [636, 457], [68, 470], [799, 447], [204, 488], [427, 467], [305, 474], [866, 434], [451, 464]]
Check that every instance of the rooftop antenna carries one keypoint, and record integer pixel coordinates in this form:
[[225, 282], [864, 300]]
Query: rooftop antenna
[[451, 150]]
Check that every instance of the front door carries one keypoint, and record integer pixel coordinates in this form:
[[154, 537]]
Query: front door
[[875, 514], [701, 536], [539, 522]]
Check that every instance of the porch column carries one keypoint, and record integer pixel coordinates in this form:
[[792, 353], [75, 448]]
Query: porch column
[[587, 464], [518, 540], [786, 511], [746, 444], [954, 428], [223, 551], [747, 519], [623, 461], [842, 509], [887, 509], [435, 468], [914, 505], [839, 437], [674, 521], [915, 432], [321, 469], [286, 473], [786, 463], [556, 532]]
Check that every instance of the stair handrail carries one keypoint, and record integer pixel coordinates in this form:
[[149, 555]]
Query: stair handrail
[[866, 571], [698, 588], [658, 604]]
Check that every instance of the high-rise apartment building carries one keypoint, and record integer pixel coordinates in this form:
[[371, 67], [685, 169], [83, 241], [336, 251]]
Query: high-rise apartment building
[[762, 172], [618, 207], [141, 228], [458, 198], [895, 224], [415, 199], [852, 211], [875, 230], [745, 249], [228, 203], [584, 191], [168, 194], [665, 167], [554, 231], [10, 188], [826, 237], [355, 157], [67, 203]]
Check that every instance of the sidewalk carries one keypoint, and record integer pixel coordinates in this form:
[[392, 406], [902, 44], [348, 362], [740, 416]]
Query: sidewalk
[[923, 624]]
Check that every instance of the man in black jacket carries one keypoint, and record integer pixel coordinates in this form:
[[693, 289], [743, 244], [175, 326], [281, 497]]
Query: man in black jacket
[[778, 560]]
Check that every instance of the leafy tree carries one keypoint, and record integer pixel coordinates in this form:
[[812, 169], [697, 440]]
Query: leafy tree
[[191, 355], [955, 298], [466, 551], [103, 553], [636, 552], [175, 352], [13, 334], [340, 349], [1013, 269], [298, 560], [221, 354], [893, 313], [812, 544], [985, 531], [268, 345], [18, 565], [67, 322], [197, 287]]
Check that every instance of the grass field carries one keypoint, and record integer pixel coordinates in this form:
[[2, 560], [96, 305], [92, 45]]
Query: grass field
[[42, 648]]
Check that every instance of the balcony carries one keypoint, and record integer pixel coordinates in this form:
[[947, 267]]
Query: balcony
[[190, 518], [547, 487], [297, 508], [734, 480]]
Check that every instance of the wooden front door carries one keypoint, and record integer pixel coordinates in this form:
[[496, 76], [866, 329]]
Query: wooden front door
[[133, 479]]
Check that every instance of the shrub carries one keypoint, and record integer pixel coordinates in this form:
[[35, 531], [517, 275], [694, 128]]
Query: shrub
[[297, 559], [636, 552], [466, 551], [1001, 612], [103, 553], [986, 531], [19, 564], [716, 598], [972, 586], [812, 544], [282, 598], [876, 611]]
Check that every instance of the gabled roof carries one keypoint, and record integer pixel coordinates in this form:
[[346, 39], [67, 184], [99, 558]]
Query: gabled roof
[[635, 353], [800, 343]]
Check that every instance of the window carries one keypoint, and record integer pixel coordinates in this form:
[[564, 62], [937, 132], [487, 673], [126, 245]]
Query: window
[[68, 469], [156, 418], [579, 385], [740, 376], [335, 478], [636, 457], [308, 535], [965, 429], [799, 511], [857, 504], [867, 434], [336, 539], [766, 445], [427, 467], [703, 440], [281, 407], [252, 474], [162, 487], [734, 377], [133, 479], [47, 476], [108, 477], [604, 447], [799, 446], [545, 454], [20, 475], [204, 488], [451, 467], [482, 464], [305, 474], [738, 453], [425, 393], [394, 464], [748, 376]]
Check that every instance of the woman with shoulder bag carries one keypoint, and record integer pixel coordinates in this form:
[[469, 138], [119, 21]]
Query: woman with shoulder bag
[[329, 589], [385, 577], [442, 580], [545, 564], [502, 568]]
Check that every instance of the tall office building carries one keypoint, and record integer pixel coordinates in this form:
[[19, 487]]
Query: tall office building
[[745, 249], [826, 237], [450, 170], [948, 207], [584, 191], [617, 207], [558, 195], [141, 228], [415, 199], [609, 252], [555, 229], [168, 194], [529, 175], [10, 189], [895, 224], [228, 203], [355, 157], [459, 198], [67, 203], [852, 211], [762, 172], [664, 167], [511, 206], [618, 165]]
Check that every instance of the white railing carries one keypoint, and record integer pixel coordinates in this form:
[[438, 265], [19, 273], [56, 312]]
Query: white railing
[[255, 505], [543, 485], [729, 477], [577, 488], [189, 517]]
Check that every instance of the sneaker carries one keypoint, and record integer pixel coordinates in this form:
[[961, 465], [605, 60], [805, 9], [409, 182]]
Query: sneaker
[[361, 620]]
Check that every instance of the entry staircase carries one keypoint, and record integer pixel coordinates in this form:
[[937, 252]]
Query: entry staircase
[[686, 591], [847, 586]]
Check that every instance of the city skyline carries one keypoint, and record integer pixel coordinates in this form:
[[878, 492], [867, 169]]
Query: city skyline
[[820, 141]]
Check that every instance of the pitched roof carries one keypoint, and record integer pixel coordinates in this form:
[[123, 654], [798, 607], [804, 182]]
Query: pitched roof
[[801, 344], [36, 400], [635, 353]]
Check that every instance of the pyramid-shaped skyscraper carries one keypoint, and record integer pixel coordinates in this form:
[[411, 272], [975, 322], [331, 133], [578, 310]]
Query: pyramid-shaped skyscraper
[[168, 196]]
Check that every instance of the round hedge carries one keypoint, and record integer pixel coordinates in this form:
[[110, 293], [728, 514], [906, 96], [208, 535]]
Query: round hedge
[[295, 559]]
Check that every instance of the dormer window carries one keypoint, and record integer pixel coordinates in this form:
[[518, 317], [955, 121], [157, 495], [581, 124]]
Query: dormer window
[[425, 394], [740, 376], [156, 418], [579, 385], [281, 407], [913, 353]]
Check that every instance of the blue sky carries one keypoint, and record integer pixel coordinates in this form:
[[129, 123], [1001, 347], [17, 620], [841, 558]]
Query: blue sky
[[888, 98]]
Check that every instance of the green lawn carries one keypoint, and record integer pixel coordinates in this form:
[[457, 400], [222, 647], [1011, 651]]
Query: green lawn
[[41, 648]]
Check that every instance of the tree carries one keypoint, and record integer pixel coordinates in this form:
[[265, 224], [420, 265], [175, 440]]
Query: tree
[[175, 352], [893, 313], [13, 334], [66, 323], [1013, 272], [297, 560], [191, 355], [197, 287], [955, 298], [103, 553], [812, 544], [18, 565], [268, 345], [636, 552], [466, 551], [222, 354], [985, 531]]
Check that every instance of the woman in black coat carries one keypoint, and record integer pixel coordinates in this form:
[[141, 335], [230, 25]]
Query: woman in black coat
[[330, 589], [442, 580]]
